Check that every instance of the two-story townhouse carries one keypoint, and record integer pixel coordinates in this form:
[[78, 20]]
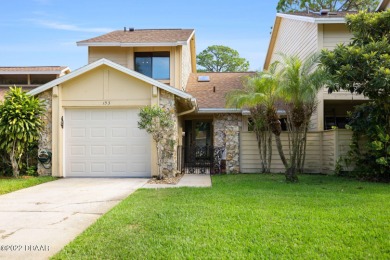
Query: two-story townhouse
[[94, 109]]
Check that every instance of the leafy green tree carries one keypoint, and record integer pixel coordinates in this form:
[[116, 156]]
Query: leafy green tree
[[299, 85], [158, 122], [20, 124], [218, 58], [260, 96], [333, 5], [363, 67]]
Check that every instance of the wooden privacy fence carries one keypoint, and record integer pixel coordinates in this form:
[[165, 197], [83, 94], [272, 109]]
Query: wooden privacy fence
[[322, 151]]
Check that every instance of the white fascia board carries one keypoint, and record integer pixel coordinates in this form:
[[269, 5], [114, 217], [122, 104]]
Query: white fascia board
[[218, 110], [189, 38], [116, 66], [132, 44], [319, 20]]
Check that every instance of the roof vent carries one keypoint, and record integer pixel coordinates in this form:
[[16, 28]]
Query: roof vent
[[203, 78], [324, 11], [131, 29]]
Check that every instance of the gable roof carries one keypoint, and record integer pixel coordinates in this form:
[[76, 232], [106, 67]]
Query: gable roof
[[113, 65], [35, 70], [210, 95], [335, 18], [145, 37]]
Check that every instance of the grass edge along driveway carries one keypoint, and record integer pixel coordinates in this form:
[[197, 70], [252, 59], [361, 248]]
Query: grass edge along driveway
[[8, 185], [245, 216]]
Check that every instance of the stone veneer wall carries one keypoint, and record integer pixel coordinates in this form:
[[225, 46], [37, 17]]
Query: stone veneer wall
[[45, 140], [167, 101], [226, 134]]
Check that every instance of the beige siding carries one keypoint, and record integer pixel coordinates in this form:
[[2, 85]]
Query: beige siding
[[322, 151], [335, 34], [295, 38], [115, 54], [185, 65], [107, 85]]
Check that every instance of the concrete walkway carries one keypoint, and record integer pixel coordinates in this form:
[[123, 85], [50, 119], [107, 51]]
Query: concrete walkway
[[188, 180], [37, 222]]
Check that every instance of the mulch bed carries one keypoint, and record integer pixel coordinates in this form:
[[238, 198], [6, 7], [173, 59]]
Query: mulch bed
[[170, 180]]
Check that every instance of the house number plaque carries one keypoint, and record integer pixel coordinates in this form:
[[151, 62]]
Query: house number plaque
[[106, 103]]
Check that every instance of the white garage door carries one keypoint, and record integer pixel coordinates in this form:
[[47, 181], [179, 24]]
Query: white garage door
[[105, 143]]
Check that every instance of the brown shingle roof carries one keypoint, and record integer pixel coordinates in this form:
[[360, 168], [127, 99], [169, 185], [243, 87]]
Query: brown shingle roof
[[22, 70], [223, 83], [145, 36]]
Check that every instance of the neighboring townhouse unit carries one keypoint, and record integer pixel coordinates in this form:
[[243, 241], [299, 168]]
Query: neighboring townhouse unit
[[303, 34], [29, 77]]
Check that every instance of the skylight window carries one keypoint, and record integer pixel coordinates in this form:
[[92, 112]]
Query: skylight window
[[203, 78]]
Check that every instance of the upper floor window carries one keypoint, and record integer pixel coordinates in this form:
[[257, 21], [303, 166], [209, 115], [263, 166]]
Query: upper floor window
[[152, 64]]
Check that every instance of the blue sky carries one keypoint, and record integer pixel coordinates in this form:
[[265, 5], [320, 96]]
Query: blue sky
[[45, 32]]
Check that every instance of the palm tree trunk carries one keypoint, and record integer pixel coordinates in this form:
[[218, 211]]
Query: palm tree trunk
[[280, 150], [269, 150], [259, 146], [304, 149]]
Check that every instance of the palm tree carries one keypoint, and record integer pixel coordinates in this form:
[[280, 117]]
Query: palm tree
[[299, 85], [259, 96]]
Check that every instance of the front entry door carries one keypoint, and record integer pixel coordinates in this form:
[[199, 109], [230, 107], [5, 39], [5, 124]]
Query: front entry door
[[198, 147]]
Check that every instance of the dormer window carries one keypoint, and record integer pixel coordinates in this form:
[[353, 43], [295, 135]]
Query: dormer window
[[152, 64]]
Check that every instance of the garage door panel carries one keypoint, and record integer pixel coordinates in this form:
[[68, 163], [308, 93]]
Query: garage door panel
[[98, 150], [79, 167], [119, 150], [119, 115], [78, 132], [98, 115], [98, 132], [97, 167], [119, 132], [78, 115], [105, 143]]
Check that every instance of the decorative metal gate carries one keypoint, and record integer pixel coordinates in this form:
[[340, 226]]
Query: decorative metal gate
[[201, 159]]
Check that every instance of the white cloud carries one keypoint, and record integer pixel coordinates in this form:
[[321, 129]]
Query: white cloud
[[70, 27]]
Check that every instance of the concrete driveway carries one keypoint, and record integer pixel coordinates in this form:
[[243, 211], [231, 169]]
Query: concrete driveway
[[37, 222]]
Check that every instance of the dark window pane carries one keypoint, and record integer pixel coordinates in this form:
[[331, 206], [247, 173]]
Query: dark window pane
[[152, 64], [143, 65], [160, 67]]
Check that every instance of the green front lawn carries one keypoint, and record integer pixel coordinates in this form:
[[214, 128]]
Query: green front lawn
[[245, 217], [12, 184]]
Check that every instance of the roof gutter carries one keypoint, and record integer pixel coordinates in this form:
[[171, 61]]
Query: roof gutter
[[219, 110], [194, 106]]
